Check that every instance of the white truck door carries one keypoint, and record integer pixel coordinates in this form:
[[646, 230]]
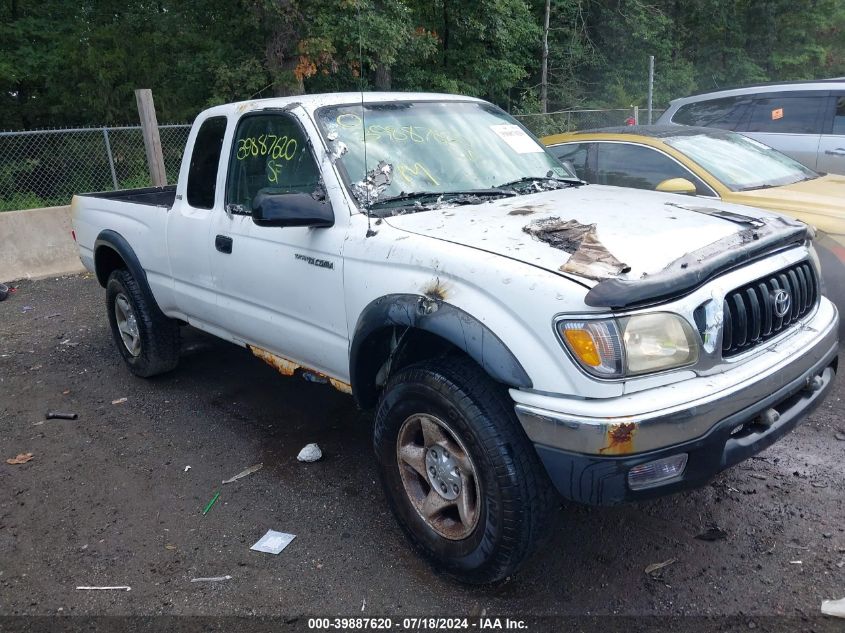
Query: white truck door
[[189, 240], [279, 289]]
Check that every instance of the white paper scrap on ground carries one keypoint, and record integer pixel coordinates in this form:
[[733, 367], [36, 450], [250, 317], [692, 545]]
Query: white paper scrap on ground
[[834, 607], [117, 588], [310, 453], [244, 473], [516, 138], [273, 542], [212, 579]]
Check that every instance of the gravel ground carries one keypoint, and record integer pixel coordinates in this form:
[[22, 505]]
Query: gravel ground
[[106, 500]]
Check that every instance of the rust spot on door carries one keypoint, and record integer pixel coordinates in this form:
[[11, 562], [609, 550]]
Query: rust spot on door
[[620, 439]]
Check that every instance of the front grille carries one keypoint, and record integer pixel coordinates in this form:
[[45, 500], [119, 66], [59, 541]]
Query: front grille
[[751, 312]]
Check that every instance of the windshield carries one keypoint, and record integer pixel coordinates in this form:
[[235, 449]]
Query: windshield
[[739, 162], [424, 153]]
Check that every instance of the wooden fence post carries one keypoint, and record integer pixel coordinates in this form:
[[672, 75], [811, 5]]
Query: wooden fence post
[[152, 141]]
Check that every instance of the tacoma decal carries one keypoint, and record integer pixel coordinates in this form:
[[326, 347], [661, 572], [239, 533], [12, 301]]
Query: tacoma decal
[[321, 263]]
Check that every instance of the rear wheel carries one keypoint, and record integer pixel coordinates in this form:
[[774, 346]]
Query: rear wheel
[[147, 340], [460, 475]]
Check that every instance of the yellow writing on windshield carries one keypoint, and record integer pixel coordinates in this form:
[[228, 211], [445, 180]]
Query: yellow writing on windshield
[[400, 134], [408, 173]]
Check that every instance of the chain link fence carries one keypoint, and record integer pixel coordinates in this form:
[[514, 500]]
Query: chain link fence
[[572, 120], [42, 168]]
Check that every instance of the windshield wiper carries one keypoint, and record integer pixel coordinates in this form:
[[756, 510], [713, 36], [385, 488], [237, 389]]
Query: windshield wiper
[[450, 196], [530, 180]]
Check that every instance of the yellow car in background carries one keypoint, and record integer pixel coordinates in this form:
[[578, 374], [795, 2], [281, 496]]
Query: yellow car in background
[[718, 164]]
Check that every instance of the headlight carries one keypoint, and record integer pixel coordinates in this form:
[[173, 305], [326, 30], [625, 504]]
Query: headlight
[[630, 346], [654, 342]]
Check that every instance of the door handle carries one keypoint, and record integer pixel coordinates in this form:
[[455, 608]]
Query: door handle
[[223, 243], [839, 151]]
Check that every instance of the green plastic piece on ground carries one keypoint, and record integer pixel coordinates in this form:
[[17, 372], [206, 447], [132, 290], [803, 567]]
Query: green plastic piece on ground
[[211, 503]]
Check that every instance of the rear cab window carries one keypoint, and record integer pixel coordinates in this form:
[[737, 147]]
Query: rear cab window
[[202, 173], [270, 154]]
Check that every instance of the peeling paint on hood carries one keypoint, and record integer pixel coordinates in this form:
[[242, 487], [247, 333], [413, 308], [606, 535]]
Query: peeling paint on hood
[[589, 256]]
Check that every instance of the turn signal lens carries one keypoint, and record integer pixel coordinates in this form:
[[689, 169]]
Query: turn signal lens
[[595, 344], [582, 344]]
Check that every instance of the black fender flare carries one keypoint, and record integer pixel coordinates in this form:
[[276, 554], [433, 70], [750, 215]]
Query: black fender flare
[[442, 319], [116, 242]]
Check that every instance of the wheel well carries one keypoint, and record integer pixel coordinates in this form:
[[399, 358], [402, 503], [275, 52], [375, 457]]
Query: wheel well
[[106, 261], [389, 349]]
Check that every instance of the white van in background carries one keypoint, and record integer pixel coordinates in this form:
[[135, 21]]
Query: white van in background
[[804, 120]]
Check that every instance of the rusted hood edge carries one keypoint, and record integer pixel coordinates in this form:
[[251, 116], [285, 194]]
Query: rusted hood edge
[[693, 269]]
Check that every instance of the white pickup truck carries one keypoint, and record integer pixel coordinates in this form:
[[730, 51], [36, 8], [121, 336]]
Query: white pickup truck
[[516, 330]]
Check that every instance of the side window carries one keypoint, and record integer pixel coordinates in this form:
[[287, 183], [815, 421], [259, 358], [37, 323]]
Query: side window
[[270, 154], [623, 165], [202, 174], [839, 116], [795, 115], [575, 154], [726, 114]]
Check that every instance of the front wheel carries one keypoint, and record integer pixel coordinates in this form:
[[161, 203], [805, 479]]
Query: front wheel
[[460, 475]]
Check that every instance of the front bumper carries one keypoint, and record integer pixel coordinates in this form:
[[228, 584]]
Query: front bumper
[[588, 458]]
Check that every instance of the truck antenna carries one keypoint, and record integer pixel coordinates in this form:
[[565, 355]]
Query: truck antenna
[[370, 231]]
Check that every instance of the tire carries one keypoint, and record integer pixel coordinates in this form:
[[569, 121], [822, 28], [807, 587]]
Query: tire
[[157, 337], [495, 524]]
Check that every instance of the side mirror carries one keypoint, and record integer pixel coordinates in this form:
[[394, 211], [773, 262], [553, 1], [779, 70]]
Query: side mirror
[[291, 209], [676, 185]]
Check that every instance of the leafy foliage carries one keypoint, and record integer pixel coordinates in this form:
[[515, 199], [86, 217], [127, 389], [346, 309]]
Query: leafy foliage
[[78, 63]]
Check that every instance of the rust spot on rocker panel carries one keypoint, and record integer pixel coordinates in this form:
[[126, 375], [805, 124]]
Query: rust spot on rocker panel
[[620, 439], [340, 385], [287, 367], [284, 366]]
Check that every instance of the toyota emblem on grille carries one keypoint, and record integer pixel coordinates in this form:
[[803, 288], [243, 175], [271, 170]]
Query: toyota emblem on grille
[[781, 301]]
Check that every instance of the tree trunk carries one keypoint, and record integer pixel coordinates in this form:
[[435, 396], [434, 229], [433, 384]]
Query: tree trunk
[[445, 34], [285, 82], [383, 77]]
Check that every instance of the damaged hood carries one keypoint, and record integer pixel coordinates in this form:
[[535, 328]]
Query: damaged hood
[[629, 234]]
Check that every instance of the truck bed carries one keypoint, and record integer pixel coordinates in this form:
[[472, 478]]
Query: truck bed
[[151, 196]]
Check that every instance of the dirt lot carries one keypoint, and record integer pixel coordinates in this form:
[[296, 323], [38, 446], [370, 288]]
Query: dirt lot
[[106, 500]]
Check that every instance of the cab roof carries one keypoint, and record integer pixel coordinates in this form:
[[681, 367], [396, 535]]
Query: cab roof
[[313, 101]]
